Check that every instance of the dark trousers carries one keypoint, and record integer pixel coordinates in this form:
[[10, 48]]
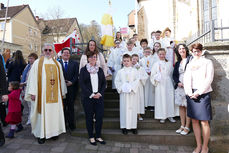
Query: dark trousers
[[1, 133], [93, 107], [69, 107], [2, 112]]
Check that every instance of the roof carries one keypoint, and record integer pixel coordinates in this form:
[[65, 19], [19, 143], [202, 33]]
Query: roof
[[56, 26], [12, 11]]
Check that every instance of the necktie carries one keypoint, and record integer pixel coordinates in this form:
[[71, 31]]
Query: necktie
[[65, 66]]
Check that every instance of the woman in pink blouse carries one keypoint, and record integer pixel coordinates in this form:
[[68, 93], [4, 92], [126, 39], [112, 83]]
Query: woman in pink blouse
[[91, 47], [197, 85]]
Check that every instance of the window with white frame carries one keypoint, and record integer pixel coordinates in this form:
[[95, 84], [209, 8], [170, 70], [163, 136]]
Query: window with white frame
[[30, 46], [30, 31], [2, 26]]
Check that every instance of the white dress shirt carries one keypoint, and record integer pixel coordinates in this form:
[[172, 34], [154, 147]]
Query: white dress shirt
[[94, 83]]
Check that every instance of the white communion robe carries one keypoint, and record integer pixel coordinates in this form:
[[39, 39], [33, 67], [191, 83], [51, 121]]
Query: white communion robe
[[169, 49], [161, 78], [143, 76], [128, 102], [149, 91], [115, 61], [50, 121]]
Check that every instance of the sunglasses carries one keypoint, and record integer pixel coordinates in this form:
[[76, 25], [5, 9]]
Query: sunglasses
[[50, 50]]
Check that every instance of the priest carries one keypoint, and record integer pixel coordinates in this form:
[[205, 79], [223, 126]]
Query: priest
[[46, 88]]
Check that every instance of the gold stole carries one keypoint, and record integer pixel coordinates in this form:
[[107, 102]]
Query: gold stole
[[51, 85]]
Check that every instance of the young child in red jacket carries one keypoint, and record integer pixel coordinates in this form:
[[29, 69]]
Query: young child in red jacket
[[14, 108]]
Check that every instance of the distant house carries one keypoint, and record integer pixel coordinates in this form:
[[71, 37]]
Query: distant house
[[54, 31], [21, 28]]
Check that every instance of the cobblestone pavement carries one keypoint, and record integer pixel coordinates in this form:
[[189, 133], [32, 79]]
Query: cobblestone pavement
[[25, 142]]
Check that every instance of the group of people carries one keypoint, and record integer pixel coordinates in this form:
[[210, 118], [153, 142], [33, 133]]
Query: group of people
[[147, 76], [144, 74], [40, 86]]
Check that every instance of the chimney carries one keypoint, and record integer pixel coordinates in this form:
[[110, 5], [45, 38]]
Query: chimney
[[2, 6], [37, 18]]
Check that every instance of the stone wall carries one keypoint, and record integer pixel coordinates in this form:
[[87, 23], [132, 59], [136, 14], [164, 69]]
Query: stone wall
[[218, 52]]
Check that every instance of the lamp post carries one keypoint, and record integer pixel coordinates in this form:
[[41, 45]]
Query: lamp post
[[4, 30]]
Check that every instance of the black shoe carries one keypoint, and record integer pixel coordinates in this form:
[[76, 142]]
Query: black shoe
[[92, 143], [41, 141], [55, 138], [19, 128], [10, 134], [124, 131], [101, 142], [134, 131]]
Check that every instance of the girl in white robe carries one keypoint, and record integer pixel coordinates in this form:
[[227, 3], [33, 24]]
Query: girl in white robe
[[147, 62], [127, 82], [143, 76], [114, 62], [161, 78]]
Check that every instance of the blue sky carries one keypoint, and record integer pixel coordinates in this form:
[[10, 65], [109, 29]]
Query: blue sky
[[83, 10]]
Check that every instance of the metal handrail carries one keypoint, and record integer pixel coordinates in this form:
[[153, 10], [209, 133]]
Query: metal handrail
[[204, 34]]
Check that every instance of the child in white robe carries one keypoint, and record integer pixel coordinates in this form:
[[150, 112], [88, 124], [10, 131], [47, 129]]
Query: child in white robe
[[147, 62], [143, 76], [130, 48], [126, 83], [114, 62], [161, 78]]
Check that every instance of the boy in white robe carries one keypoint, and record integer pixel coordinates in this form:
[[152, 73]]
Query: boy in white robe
[[144, 44], [169, 44], [126, 83], [161, 78], [143, 76], [147, 62], [114, 62], [130, 49]]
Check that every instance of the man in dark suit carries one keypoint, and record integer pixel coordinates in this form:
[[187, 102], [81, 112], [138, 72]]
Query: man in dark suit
[[71, 74], [3, 91]]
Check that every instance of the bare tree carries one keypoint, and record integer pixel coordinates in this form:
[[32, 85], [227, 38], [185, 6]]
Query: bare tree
[[91, 31]]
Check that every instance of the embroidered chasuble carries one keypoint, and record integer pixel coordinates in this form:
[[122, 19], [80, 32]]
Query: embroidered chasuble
[[51, 84]]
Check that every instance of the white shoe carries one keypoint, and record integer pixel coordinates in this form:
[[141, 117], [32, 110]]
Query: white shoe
[[140, 119], [171, 119], [162, 121], [185, 133], [180, 130], [28, 122]]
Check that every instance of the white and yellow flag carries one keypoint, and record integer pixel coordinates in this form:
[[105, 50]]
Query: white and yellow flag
[[107, 29]]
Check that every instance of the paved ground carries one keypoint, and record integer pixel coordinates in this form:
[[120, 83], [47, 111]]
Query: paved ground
[[24, 142]]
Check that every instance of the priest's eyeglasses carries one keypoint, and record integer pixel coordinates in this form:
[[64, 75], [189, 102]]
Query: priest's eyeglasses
[[50, 50]]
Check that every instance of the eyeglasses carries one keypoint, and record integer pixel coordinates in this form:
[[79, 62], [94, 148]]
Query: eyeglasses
[[50, 50], [197, 51]]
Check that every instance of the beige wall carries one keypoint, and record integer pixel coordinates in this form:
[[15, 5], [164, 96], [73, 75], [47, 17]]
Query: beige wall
[[26, 32], [8, 31]]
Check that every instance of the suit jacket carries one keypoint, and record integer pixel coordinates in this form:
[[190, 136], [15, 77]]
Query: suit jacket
[[85, 82], [72, 73], [176, 71]]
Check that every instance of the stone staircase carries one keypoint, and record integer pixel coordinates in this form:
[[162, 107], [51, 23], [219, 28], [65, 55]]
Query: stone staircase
[[149, 130]]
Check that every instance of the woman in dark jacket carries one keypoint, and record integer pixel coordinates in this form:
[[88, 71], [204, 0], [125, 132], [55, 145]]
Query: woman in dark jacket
[[3, 91], [183, 58], [16, 67], [93, 83]]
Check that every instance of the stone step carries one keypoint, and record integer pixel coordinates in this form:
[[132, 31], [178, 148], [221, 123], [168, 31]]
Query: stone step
[[111, 104], [114, 113], [165, 137], [111, 95], [114, 123]]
